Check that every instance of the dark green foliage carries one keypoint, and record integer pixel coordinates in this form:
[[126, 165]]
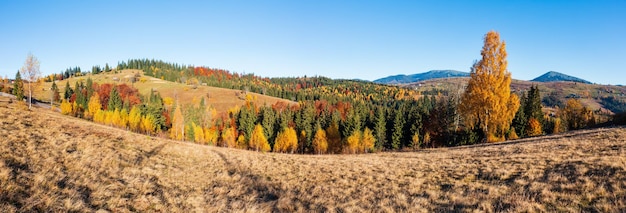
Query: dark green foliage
[[268, 119], [89, 88], [115, 100], [305, 122], [152, 104], [530, 107], [519, 121], [615, 105], [70, 72], [380, 128], [397, 134], [246, 119], [18, 87], [68, 91], [441, 125], [81, 98], [553, 100], [96, 70], [532, 104]]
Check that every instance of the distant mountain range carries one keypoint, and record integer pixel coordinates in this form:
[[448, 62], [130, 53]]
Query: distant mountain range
[[403, 79], [550, 76], [557, 76]]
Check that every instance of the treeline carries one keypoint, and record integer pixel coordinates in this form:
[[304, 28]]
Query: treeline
[[295, 89], [76, 72]]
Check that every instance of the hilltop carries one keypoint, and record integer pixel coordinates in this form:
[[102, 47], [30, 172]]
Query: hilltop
[[553, 76], [52, 162], [550, 76], [433, 74]]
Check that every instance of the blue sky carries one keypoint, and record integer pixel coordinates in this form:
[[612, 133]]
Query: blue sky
[[338, 39]]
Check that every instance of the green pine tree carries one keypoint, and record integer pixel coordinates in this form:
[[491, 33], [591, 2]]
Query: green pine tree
[[380, 128], [115, 100], [68, 91], [18, 87]]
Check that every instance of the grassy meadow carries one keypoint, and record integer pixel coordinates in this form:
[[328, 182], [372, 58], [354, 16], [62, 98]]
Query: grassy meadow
[[50, 162]]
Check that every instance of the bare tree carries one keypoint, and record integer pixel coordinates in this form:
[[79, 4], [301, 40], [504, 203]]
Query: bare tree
[[31, 72]]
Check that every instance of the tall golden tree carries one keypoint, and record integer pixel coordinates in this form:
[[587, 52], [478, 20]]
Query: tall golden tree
[[258, 142], [229, 137], [134, 118], [286, 141], [94, 105], [320, 144], [488, 102], [178, 124]]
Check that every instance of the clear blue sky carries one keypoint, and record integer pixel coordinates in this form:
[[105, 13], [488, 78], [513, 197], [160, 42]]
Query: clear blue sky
[[338, 39]]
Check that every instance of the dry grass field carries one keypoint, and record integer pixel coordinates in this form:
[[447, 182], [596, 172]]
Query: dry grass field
[[55, 163], [219, 98]]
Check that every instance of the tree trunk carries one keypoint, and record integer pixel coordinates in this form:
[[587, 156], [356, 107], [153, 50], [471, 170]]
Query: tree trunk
[[30, 95]]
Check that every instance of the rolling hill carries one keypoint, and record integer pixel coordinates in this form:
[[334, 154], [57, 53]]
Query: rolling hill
[[433, 74], [51, 162], [220, 98], [553, 76], [550, 76]]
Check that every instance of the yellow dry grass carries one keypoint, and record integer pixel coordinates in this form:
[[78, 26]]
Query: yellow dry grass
[[219, 98], [50, 162]]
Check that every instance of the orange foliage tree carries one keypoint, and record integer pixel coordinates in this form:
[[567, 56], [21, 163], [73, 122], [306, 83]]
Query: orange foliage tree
[[211, 136], [334, 138], [534, 128], [576, 116], [229, 137], [488, 102]]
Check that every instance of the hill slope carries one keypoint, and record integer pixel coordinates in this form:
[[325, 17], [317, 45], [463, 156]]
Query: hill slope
[[219, 98], [433, 74], [553, 76], [51, 162]]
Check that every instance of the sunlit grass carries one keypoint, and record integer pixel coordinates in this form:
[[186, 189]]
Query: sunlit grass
[[51, 162]]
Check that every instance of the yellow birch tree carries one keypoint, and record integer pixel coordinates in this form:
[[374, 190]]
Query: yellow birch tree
[[258, 141], [94, 105], [320, 144], [286, 141], [134, 118], [178, 124], [488, 102]]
